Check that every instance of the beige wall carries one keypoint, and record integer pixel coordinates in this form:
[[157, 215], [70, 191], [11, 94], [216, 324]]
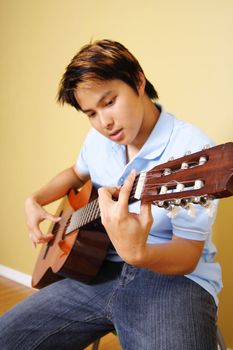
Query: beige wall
[[186, 50]]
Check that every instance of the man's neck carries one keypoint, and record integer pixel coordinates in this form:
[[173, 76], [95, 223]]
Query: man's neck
[[151, 116]]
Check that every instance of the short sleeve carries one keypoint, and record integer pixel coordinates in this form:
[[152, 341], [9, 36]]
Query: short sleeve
[[81, 162], [197, 226]]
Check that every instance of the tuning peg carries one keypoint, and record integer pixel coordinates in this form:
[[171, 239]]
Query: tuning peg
[[168, 205], [167, 171], [163, 204], [184, 165], [179, 187], [198, 184], [206, 147], [184, 202], [208, 204], [196, 200], [203, 200], [159, 203], [187, 153], [163, 189], [202, 160]]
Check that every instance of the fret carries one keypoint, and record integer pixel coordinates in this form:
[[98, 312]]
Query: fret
[[79, 217], [82, 210], [97, 210], [92, 214], [85, 214], [88, 213], [92, 205], [72, 224]]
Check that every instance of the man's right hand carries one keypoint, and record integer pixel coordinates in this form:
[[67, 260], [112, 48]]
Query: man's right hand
[[35, 214]]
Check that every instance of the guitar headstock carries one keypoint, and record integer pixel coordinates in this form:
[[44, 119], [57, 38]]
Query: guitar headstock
[[196, 178]]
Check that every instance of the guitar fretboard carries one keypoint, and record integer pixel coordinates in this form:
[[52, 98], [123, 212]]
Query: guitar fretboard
[[91, 212], [84, 216]]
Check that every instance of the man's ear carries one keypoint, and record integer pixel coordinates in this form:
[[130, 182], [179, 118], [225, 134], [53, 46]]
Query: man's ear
[[141, 84]]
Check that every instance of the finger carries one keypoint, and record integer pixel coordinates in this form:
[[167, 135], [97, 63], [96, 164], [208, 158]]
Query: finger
[[32, 240], [34, 236], [106, 192], [115, 195], [146, 214], [126, 189], [37, 236], [105, 199], [41, 240], [51, 217], [45, 238]]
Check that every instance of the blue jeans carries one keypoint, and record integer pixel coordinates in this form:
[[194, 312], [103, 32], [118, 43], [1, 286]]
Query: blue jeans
[[148, 310]]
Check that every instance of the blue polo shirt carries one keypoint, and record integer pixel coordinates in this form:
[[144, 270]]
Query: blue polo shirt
[[105, 162]]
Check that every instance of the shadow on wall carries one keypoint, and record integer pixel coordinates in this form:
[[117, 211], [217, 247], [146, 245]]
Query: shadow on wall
[[223, 239]]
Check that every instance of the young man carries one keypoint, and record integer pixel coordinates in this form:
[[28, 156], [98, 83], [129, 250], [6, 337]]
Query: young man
[[158, 285]]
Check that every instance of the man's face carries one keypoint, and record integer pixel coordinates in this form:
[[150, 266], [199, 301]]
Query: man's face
[[114, 109]]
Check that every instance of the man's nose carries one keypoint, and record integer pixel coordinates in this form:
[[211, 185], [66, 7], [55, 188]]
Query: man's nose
[[106, 120]]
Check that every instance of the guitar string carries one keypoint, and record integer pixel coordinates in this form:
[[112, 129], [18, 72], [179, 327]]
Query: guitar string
[[175, 167], [91, 212], [168, 183], [82, 215], [88, 213]]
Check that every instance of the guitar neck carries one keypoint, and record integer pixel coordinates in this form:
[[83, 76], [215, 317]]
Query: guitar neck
[[195, 178], [91, 212]]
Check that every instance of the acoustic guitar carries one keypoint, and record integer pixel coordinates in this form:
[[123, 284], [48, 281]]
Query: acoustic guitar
[[80, 241]]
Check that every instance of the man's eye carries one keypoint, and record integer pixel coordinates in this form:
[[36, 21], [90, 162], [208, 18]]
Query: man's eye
[[110, 102], [91, 115]]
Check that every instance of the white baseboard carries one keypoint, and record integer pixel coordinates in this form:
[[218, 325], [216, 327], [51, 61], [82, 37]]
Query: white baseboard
[[15, 275]]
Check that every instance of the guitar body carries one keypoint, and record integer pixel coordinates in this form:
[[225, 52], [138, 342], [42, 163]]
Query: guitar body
[[79, 254]]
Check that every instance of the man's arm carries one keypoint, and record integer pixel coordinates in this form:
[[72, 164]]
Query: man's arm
[[58, 186], [55, 189]]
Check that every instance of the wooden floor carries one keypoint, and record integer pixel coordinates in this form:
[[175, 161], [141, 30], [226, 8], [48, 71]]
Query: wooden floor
[[11, 293]]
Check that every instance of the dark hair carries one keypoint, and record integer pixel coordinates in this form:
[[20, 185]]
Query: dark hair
[[101, 60]]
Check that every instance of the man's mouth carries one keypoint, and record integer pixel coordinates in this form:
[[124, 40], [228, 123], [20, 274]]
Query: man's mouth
[[117, 135]]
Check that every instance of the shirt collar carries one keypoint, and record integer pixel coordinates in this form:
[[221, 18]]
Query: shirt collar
[[158, 139]]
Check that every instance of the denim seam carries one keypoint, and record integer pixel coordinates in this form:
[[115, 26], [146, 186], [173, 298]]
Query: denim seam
[[124, 278], [91, 319], [41, 340], [109, 305]]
